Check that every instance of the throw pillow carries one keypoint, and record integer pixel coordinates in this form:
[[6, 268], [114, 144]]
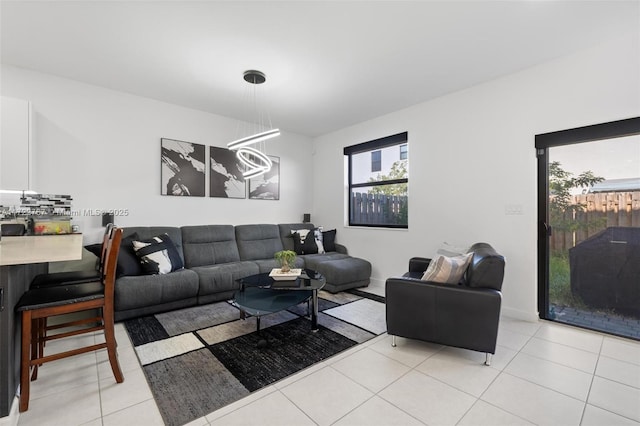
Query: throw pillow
[[447, 270], [158, 255], [95, 249], [451, 250], [303, 242], [128, 262], [317, 232], [329, 240]]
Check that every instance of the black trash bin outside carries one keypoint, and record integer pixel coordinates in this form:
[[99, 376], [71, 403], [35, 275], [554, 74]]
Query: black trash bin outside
[[605, 270]]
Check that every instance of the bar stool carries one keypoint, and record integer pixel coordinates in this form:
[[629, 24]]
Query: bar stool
[[65, 278], [41, 303]]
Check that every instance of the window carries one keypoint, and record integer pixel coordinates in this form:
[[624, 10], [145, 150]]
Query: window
[[376, 161], [378, 189], [403, 152]]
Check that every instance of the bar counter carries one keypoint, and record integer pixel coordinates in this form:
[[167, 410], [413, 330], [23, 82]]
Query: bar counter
[[40, 249], [22, 258]]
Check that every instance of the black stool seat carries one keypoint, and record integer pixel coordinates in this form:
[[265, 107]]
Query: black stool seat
[[69, 277], [47, 297], [12, 230]]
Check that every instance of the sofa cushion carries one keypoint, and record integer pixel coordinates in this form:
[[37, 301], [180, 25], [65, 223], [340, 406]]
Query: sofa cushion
[[258, 241], [222, 277], [266, 265], [311, 261], [209, 245], [149, 290], [447, 270], [338, 271]]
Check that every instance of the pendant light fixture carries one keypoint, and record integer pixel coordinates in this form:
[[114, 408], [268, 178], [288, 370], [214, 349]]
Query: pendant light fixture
[[250, 149]]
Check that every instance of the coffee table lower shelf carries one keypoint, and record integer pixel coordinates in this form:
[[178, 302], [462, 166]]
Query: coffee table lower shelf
[[257, 302], [261, 295]]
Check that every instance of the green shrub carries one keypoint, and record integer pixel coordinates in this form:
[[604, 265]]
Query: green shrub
[[560, 282]]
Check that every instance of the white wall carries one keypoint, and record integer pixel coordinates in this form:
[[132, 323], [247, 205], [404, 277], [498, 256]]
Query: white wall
[[103, 148], [472, 153]]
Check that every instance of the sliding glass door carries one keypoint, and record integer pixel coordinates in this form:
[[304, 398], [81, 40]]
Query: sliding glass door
[[589, 227]]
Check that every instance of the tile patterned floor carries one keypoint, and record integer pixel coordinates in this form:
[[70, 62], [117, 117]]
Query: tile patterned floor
[[543, 373]]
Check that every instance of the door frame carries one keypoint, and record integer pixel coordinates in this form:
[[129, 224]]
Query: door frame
[[609, 130]]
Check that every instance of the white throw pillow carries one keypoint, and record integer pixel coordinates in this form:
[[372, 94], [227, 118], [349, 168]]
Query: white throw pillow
[[447, 270], [451, 250], [317, 232]]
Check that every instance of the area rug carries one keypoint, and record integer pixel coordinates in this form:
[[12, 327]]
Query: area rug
[[199, 359]]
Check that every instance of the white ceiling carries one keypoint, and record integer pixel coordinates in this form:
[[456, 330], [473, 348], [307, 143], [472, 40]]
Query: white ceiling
[[329, 64]]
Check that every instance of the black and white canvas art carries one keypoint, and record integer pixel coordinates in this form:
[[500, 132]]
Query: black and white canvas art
[[182, 168], [266, 186], [225, 178]]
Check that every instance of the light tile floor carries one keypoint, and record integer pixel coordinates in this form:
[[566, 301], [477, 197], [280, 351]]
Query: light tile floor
[[542, 373]]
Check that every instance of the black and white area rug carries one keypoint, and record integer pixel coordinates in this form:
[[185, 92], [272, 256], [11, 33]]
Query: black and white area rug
[[199, 359]]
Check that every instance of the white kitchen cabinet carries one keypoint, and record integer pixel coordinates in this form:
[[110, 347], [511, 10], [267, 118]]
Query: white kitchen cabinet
[[15, 144]]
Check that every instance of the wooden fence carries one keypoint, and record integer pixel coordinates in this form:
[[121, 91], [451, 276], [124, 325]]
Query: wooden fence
[[372, 209], [602, 210]]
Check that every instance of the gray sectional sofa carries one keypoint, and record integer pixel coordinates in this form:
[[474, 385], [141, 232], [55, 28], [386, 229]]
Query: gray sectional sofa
[[216, 256]]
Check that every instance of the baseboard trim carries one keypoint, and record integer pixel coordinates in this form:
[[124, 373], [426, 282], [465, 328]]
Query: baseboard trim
[[519, 314], [377, 282]]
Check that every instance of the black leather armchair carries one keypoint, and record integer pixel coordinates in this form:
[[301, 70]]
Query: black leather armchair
[[464, 315]]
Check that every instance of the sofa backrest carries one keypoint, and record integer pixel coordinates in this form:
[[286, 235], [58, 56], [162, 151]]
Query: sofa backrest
[[209, 245], [285, 232], [147, 232], [486, 268], [258, 241]]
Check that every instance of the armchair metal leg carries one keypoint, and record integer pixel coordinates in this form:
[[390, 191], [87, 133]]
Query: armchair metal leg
[[393, 341], [487, 360]]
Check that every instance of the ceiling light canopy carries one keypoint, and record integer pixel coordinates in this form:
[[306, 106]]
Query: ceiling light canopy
[[255, 158]]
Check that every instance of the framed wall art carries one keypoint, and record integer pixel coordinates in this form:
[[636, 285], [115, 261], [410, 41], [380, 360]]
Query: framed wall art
[[266, 186], [182, 168], [225, 174]]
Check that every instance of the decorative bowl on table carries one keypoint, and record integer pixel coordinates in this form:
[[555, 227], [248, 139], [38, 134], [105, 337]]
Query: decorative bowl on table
[[278, 275]]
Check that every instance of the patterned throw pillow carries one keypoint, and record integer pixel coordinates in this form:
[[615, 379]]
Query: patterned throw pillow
[[158, 255], [451, 250], [304, 241], [447, 270], [317, 232]]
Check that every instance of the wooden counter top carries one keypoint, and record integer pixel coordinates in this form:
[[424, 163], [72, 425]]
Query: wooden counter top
[[40, 249]]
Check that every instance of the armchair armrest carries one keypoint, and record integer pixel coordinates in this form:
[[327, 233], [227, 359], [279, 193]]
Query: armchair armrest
[[418, 264]]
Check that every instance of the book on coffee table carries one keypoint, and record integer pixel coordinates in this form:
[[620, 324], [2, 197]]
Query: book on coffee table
[[278, 275]]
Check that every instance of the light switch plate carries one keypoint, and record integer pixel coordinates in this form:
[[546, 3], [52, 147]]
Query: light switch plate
[[513, 209]]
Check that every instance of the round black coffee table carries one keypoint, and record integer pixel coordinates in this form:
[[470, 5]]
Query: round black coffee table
[[261, 294]]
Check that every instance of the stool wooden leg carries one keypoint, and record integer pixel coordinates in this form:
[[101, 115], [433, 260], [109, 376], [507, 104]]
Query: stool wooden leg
[[35, 345], [110, 338], [25, 361]]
